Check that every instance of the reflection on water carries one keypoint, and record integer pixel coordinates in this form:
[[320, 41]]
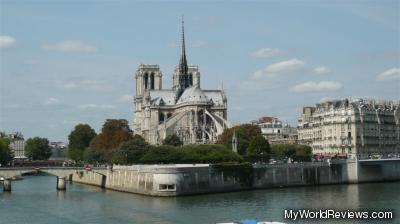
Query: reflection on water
[[36, 200]]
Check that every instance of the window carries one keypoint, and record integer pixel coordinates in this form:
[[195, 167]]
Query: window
[[152, 81], [166, 187], [190, 79], [146, 80], [161, 117]]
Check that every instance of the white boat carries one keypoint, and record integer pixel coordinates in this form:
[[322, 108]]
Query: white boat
[[271, 223], [242, 222]]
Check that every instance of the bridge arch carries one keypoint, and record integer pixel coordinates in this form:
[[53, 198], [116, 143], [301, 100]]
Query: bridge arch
[[62, 173]]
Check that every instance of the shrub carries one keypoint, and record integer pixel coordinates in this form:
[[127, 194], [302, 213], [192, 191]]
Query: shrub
[[131, 151], [173, 140], [162, 154], [190, 154], [296, 152]]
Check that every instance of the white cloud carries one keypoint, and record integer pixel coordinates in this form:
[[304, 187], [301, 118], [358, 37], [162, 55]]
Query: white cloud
[[316, 86], [321, 70], [267, 53], [71, 85], [327, 98], [390, 74], [87, 85], [285, 66], [7, 41], [95, 106], [125, 98], [278, 68], [51, 101], [71, 47]]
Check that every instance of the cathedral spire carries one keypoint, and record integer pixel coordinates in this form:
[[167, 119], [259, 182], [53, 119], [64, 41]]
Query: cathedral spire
[[183, 67]]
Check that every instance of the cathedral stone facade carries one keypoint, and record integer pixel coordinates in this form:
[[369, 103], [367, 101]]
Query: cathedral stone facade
[[192, 113]]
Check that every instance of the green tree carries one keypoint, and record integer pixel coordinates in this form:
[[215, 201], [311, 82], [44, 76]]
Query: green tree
[[79, 140], [37, 148], [209, 154], [190, 154], [173, 140], [244, 134], [131, 151], [301, 153], [114, 156], [75, 154], [113, 133], [6, 155], [259, 148], [95, 155], [162, 154]]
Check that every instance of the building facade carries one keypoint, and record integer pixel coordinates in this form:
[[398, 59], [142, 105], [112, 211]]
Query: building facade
[[192, 113], [276, 132], [17, 144], [358, 127]]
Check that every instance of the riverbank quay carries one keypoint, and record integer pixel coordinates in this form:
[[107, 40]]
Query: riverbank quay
[[191, 179]]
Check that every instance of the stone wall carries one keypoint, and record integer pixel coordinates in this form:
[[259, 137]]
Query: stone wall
[[174, 180]]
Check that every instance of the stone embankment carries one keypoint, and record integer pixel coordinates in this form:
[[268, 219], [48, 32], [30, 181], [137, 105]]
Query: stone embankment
[[187, 179]]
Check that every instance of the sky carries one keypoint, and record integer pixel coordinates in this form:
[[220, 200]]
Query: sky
[[69, 62]]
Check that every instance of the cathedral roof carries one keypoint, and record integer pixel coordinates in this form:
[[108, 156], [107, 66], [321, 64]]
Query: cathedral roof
[[216, 96], [192, 94], [162, 97]]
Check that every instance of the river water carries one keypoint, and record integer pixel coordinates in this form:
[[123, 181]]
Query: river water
[[35, 200]]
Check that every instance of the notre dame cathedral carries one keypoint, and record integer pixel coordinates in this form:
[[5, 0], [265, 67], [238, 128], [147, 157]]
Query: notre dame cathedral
[[195, 115]]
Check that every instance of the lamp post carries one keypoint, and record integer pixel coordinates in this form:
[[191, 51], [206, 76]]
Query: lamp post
[[262, 157]]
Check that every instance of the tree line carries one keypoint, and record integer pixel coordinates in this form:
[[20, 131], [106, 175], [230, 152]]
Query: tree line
[[35, 149], [253, 147], [116, 144]]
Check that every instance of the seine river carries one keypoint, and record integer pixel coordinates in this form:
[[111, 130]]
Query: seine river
[[35, 200]]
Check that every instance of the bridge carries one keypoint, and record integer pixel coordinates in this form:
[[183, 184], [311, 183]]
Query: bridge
[[60, 172]]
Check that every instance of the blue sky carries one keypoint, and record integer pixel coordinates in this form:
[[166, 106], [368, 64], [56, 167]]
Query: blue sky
[[69, 62]]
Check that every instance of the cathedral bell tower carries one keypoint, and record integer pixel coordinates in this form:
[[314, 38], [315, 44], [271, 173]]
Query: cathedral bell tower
[[148, 78]]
